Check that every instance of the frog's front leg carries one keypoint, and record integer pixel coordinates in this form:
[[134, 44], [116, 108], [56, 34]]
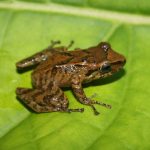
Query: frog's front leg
[[80, 95], [62, 48], [49, 100]]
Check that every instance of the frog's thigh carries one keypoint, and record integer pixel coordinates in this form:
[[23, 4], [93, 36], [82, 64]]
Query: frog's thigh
[[43, 101]]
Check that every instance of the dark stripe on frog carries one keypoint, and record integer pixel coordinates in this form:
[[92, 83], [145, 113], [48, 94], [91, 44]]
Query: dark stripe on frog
[[48, 98], [59, 75], [54, 72], [38, 92], [46, 78], [35, 96], [39, 107], [28, 94], [37, 78], [55, 91]]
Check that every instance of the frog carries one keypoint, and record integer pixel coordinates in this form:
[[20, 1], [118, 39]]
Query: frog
[[56, 67]]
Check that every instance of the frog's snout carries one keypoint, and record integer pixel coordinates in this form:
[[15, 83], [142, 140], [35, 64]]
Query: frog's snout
[[117, 60], [115, 57]]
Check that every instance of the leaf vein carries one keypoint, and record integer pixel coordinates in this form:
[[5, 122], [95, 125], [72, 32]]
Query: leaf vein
[[85, 12]]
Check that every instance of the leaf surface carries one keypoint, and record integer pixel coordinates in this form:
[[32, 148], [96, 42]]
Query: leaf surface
[[27, 27]]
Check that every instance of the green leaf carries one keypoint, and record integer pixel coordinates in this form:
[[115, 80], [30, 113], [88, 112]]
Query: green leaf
[[27, 27]]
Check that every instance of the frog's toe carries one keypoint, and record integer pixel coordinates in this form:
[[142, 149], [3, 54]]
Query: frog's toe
[[75, 110], [102, 104]]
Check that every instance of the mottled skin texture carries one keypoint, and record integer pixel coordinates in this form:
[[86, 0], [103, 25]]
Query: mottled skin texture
[[57, 67]]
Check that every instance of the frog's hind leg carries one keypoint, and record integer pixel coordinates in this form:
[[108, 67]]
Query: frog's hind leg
[[41, 56], [38, 57], [30, 97], [45, 100]]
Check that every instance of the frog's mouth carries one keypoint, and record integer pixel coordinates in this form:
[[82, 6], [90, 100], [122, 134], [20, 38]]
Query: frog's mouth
[[108, 68], [117, 65]]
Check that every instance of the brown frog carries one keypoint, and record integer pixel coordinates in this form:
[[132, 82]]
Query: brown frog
[[56, 67]]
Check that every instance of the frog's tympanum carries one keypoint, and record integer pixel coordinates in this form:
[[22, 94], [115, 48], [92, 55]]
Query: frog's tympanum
[[56, 68]]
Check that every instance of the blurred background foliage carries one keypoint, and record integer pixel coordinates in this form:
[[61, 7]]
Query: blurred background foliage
[[27, 26]]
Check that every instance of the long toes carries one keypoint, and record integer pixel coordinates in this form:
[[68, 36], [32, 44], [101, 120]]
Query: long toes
[[75, 110], [102, 104]]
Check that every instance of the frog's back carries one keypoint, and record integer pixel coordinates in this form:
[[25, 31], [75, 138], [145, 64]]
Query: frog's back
[[59, 68], [55, 59], [61, 58]]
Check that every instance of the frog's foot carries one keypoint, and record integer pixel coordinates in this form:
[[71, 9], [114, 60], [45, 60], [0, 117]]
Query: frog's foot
[[53, 43], [101, 103], [70, 44], [61, 48], [89, 103], [75, 110], [94, 109], [98, 102], [92, 102]]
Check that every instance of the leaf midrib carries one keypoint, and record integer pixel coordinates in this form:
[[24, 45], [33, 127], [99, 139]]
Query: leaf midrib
[[78, 11]]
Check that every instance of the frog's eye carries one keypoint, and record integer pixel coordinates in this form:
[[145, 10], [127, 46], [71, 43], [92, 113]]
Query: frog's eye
[[106, 67], [105, 46]]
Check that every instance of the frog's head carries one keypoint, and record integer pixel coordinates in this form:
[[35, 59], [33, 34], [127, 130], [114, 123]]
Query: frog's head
[[113, 62]]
